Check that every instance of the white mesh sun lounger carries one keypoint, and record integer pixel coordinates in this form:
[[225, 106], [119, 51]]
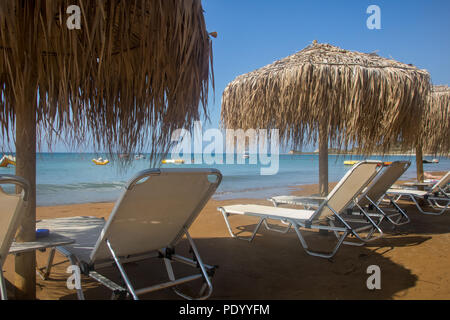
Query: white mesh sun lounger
[[371, 197], [346, 192], [428, 184], [433, 197], [151, 216], [12, 208]]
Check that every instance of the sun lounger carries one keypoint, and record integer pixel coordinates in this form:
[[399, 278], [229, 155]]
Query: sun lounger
[[326, 217], [436, 196], [428, 184], [151, 216], [12, 208], [369, 201]]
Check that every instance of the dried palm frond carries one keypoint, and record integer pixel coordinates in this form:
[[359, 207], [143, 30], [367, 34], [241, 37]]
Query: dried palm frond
[[134, 72], [361, 100], [436, 131]]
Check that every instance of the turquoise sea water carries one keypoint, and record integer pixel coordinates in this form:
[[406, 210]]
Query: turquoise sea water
[[65, 178]]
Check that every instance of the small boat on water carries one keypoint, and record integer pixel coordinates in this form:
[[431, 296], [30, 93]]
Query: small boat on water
[[139, 157], [172, 161], [353, 162], [4, 162], [350, 162], [100, 161], [430, 161], [7, 160]]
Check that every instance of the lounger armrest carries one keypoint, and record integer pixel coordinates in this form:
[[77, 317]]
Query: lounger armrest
[[314, 198], [418, 184], [404, 187], [302, 200], [18, 181], [317, 199], [313, 202], [443, 198]]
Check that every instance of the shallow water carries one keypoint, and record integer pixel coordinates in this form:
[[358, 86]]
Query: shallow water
[[66, 178]]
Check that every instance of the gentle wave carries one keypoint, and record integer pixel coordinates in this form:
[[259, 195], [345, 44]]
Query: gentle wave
[[81, 186]]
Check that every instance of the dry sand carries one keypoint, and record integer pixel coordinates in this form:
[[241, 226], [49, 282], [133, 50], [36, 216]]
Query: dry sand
[[414, 260]]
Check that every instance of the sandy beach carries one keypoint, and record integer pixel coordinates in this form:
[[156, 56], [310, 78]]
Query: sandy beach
[[413, 260]]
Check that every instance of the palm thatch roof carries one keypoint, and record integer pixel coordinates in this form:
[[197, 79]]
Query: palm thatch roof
[[361, 100], [436, 137], [134, 72]]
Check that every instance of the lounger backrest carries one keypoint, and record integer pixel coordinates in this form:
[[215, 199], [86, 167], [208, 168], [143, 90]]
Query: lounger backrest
[[350, 187], [441, 183], [12, 208], [154, 209], [382, 182]]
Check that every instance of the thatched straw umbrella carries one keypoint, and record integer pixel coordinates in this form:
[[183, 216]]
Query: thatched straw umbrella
[[437, 121], [134, 72], [346, 98], [435, 134]]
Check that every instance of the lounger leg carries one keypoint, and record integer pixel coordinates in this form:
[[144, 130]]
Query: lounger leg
[[401, 213], [201, 264], [438, 206], [434, 203], [3, 288], [48, 269], [3, 293], [73, 261], [122, 271], [206, 277], [326, 255], [171, 275], [375, 227], [427, 212], [284, 230], [353, 231], [169, 269], [338, 236], [45, 274], [249, 239], [275, 204], [445, 190]]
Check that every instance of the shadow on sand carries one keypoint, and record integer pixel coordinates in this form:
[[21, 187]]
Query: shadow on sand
[[274, 266]]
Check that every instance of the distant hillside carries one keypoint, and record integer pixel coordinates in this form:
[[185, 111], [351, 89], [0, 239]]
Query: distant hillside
[[393, 151]]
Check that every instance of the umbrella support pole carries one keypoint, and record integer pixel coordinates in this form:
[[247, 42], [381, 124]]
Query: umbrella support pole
[[25, 263], [323, 162], [419, 163]]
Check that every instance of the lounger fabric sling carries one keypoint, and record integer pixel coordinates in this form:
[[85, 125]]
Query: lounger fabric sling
[[436, 196], [371, 197], [12, 208], [151, 216], [427, 184], [376, 193], [345, 193]]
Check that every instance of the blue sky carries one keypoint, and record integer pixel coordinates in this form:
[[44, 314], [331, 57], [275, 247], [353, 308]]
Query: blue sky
[[252, 34]]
